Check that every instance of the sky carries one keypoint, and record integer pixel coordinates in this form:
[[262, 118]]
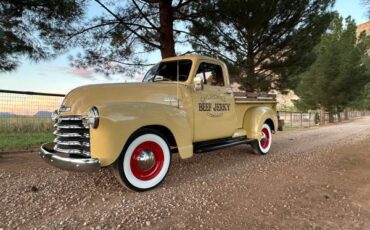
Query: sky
[[56, 76]]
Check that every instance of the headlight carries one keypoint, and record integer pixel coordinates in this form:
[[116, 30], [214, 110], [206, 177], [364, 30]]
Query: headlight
[[93, 118], [64, 108], [54, 116]]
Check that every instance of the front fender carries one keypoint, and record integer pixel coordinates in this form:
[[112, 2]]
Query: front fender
[[118, 121], [254, 119]]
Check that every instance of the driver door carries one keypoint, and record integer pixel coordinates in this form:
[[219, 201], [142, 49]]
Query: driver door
[[214, 107]]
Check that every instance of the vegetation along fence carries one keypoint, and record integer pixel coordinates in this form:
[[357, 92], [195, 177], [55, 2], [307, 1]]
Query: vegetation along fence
[[293, 120], [25, 121], [27, 112]]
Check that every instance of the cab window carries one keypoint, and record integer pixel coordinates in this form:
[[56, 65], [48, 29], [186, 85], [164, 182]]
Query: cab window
[[169, 71], [211, 74]]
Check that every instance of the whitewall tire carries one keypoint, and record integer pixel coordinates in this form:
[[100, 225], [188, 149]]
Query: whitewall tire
[[144, 162], [263, 146]]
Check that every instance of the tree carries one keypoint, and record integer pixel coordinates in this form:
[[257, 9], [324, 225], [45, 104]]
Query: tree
[[126, 32], [117, 36], [340, 72], [25, 27], [366, 3], [266, 41], [363, 102]]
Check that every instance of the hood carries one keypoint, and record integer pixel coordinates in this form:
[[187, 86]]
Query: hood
[[83, 98]]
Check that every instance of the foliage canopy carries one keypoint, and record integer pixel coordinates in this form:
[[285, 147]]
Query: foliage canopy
[[338, 76], [269, 42], [28, 28]]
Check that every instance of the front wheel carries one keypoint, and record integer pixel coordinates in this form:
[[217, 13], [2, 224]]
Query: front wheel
[[263, 146], [144, 162]]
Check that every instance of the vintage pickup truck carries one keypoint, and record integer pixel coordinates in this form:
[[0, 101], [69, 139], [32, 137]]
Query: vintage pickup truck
[[184, 105]]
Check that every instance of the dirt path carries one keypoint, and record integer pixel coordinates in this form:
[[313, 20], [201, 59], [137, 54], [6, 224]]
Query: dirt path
[[313, 179]]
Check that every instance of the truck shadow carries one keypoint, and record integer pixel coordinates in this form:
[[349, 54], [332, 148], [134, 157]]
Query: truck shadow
[[201, 167]]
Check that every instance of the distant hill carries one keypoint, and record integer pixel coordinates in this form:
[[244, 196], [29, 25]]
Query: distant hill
[[43, 114], [6, 114]]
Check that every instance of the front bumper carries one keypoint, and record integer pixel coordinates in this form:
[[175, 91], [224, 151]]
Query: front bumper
[[67, 163]]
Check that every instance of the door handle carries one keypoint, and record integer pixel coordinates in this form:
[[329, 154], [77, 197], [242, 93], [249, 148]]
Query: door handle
[[228, 91]]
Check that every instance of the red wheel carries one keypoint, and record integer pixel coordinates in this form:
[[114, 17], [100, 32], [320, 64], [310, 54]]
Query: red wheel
[[145, 161], [263, 146]]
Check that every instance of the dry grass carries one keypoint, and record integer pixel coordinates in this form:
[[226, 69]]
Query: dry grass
[[25, 124]]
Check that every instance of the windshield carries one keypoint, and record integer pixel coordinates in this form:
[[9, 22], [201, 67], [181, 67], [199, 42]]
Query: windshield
[[167, 71]]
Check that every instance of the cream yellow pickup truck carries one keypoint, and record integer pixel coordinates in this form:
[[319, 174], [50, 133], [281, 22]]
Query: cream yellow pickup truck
[[184, 105]]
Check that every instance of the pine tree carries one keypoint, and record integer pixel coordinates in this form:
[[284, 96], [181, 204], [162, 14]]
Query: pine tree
[[26, 28], [127, 32], [337, 77], [120, 34], [269, 42]]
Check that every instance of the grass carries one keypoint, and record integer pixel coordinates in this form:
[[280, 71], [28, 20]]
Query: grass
[[23, 141], [25, 124], [24, 133]]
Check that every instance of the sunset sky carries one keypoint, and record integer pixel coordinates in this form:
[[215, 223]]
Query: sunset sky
[[56, 76]]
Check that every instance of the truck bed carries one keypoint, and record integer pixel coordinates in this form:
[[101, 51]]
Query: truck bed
[[243, 97], [246, 101]]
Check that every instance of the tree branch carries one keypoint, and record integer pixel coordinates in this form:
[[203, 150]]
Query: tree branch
[[144, 16], [128, 27], [181, 4], [70, 36]]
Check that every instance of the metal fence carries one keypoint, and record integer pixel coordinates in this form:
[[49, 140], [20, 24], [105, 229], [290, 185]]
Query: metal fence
[[293, 120], [27, 112]]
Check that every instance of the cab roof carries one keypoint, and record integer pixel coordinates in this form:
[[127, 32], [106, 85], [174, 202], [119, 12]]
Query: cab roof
[[193, 57]]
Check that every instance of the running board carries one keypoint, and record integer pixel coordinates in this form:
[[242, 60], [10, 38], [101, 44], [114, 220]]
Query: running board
[[208, 146]]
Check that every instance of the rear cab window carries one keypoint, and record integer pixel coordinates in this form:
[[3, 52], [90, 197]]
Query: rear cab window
[[211, 74]]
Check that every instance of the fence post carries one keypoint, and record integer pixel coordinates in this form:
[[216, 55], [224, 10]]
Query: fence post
[[322, 115]]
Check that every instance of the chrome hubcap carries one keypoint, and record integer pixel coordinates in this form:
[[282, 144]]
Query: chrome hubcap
[[263, 138], [145, 160]]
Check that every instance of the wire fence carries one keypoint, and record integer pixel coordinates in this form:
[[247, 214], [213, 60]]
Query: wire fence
[[27, 112], [294, 120]]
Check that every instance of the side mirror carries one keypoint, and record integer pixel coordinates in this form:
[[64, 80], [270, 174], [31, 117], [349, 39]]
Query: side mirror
[[158, 78], [198, 83]]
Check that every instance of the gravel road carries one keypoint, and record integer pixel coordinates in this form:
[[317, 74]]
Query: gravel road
[[316, 178]]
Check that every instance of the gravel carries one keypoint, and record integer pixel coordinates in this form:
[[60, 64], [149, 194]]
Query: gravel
[[292, 187]]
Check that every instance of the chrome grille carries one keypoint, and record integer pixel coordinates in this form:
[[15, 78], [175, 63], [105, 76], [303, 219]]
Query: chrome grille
[[72, 136]]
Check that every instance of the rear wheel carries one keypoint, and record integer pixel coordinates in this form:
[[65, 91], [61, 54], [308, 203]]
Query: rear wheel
[[263, 146], [144, 162]]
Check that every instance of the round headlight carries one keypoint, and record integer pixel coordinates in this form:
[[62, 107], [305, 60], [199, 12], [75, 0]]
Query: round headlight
[[93, 117], [55, 116]]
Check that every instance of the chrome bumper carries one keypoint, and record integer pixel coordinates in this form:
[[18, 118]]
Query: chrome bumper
[[67, 163]]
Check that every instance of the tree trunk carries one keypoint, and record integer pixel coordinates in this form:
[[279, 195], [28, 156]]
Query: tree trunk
[[166, 38], [331, 117], [339, 117], [346, 118], [250, 69], [322, 115], [338, 114]]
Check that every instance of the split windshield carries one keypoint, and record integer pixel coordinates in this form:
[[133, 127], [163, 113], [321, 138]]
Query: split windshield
[[168, 71]]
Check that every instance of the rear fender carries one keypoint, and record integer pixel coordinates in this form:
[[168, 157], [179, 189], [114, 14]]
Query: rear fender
[[254, 119]]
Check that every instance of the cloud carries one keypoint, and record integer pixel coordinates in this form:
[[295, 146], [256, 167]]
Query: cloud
[[83, 73], [91, 74], [87, 73]]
